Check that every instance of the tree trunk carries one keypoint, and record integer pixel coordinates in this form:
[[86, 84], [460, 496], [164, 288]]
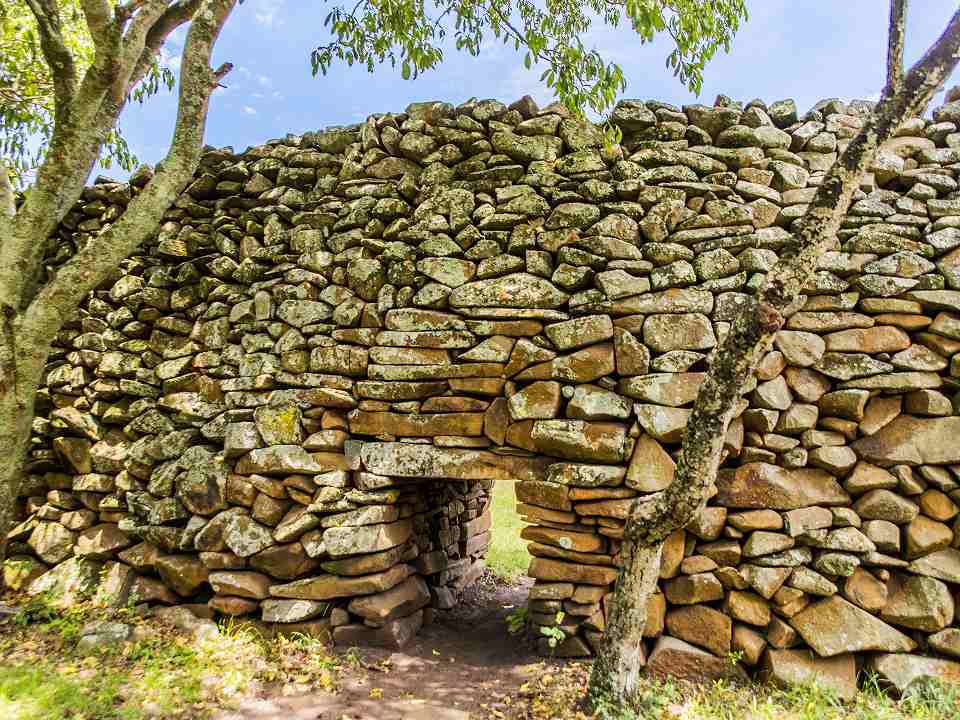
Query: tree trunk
[[20, 378], [651, 519], [616, 668]]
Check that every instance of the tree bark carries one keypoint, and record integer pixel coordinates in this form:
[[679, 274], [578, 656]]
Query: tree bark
[[653, 518]]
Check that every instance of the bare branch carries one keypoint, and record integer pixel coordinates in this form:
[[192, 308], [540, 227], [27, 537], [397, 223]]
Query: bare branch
[[174, 16], [63, 69], [55, 303], [897, 31]]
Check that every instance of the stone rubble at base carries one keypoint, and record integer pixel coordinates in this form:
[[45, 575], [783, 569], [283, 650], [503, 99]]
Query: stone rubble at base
[[293, 404]]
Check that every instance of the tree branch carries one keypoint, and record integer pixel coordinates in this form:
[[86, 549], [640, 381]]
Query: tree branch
[[752, 331], [896, 33], [59, 59], [98, 15], [8, 201], [56, 302]]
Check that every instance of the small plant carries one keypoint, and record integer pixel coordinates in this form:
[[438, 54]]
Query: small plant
[[735, 657], [555, 635], [517, 620]]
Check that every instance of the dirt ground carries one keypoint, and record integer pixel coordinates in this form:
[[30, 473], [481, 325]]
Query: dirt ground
[[464, 665]]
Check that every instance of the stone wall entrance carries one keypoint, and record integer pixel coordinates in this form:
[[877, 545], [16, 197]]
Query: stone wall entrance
[[290, 405]]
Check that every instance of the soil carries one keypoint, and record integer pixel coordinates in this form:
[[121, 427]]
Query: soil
[[464, 665]]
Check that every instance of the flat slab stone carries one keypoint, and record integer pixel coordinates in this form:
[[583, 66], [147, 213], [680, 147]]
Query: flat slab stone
[[911, 440], [517, 290], [427, 461], [324, 587], [764, 486]]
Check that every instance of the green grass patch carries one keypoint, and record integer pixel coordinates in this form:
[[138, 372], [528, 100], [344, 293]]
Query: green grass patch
[[29, 692], [507, 556]]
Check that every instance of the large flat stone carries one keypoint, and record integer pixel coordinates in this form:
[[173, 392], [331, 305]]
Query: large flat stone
[[324, 587], [760, 485], [427, 461], [911, 440]]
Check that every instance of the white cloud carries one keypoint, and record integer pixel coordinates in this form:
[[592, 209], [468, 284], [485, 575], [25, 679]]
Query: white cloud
[[249, 110], [170, 60], [266, 12]]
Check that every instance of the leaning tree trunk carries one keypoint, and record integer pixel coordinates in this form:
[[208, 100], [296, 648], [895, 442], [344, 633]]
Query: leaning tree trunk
[[615, 671]]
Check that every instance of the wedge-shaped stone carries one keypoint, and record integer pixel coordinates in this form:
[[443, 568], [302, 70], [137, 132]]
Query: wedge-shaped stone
[[325, 587], [520, 290], [651, 467], [665, 424], [835, 626], [943, 564], [399, 601], [761, 485], [428, 461]]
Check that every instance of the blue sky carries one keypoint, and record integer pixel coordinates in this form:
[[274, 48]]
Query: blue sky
[[804, 49]]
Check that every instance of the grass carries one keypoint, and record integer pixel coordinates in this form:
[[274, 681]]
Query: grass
[[557, 693], [161, 674], [507, 556]]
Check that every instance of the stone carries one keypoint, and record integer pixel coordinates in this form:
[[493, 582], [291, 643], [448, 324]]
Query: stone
[[579, 440], [341, 541], [651, 468], [912, 441], [241, 583], [516, 290], [760, 485], [539, 400], [399, 601], [292, 611], [425, 461], [901, 671], [245, 536], [664, 333], [919, 603], [184, 574], [674, 659], [835, 626], [788, 668], [326, 587], [702, 626], [394, 634], [672, 389]]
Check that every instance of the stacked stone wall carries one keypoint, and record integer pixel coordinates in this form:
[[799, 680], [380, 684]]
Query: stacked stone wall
[[293, 403]]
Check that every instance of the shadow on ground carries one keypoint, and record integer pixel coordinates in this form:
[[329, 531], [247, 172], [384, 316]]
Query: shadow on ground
[[463, 665]]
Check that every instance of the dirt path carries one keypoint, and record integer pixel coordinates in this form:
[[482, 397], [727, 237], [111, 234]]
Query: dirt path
[[464, 665]]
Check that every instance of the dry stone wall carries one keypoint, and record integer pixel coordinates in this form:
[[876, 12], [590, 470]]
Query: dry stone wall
[[293, 404]]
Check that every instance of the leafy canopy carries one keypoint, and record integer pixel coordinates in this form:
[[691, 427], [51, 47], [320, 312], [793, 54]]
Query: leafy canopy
[[413, 34], [26, 87]]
